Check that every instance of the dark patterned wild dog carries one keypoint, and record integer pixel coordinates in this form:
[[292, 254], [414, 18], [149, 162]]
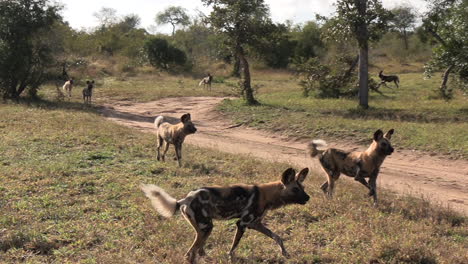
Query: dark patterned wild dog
[[357, 164], [206, 81], [388, 78], [68, 86], [249, 203], [88, 91], [173, 134]]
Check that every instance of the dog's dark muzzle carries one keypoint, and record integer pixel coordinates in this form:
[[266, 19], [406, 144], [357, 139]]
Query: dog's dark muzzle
[[304, 199], [390, 151]]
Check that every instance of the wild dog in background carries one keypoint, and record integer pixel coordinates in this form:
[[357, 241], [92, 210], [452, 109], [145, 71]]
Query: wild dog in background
[[388, 78], [357, 164], [67, 87], [88, 91], [173, 134], [249, 203], [206, 81]]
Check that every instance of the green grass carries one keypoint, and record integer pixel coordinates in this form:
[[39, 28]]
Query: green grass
[[420, 122], [69, 194]]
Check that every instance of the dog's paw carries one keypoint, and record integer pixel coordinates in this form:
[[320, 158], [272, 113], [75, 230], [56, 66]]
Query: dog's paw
[[371, 193]]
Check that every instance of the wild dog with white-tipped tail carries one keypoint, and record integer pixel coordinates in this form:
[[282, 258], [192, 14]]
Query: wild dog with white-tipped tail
[[173, 134], [357, 164], [248, 203]]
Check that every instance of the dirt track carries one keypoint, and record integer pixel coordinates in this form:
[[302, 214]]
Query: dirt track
[[405, 171]]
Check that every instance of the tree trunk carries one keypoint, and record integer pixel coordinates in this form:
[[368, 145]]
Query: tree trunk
[[362, 36], [246, 87], [443, 85], [363, 77], [405, 39]]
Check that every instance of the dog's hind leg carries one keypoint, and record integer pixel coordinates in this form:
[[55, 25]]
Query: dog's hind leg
[[203, 226], [159, 144], [267, 232], [166, 148]]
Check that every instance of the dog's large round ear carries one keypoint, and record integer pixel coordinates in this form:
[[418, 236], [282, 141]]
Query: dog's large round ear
[[378, 135], [87, 82], [92, 81], [288, 176], [300, 177], [185, 117], [389, 134]]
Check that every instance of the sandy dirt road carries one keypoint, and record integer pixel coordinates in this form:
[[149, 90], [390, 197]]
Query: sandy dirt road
[[441, 180]]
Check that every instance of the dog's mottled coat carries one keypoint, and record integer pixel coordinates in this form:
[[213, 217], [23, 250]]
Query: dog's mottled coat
[[248, 203], [357, 164], [173, 134]]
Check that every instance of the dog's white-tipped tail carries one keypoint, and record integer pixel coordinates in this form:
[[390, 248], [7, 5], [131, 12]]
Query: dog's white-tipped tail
[[201, 82], [158, 121], [312, 147], [165, 204]]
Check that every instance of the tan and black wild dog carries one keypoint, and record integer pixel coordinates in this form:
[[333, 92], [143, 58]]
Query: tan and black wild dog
[[88, 91], [206, 81], [248, 203], [357, 164], [173, 134]]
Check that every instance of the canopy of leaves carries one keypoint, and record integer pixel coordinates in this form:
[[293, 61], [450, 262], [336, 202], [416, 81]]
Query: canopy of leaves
[[243, 22], [174, 15], [447, 22], [348, 21], [403, 19], [26, 45]]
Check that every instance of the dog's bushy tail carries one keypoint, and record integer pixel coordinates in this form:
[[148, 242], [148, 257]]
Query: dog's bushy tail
[[312, 147], [165, 204], [201, 82], [158, 121]]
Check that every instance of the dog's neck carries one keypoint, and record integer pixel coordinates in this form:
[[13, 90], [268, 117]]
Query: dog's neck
[[374, 154], [270, 195]]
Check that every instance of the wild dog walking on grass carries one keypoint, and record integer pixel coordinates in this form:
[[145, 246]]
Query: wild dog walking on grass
[[88, 92], [206, 81], [388, 78], [68, 86], [249, 203], [173, 134], [357, 164]]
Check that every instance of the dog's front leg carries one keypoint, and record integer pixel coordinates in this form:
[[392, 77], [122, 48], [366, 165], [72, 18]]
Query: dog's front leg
[[178, 150], [239, 233], [373, 186], [264, 230]]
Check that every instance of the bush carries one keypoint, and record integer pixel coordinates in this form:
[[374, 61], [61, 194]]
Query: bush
[[163, 55]]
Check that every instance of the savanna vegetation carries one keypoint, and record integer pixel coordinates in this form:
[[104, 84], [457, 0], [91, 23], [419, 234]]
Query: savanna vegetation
[[69, 179]]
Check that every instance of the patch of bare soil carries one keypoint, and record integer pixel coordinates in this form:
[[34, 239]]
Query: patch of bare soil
[[438, 179]]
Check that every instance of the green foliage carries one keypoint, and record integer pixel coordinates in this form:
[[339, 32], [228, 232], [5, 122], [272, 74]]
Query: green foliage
[[277, 47], [26, 45], [327, 81], [309, 41], [447, 24], [174, 15], [163, 55], [403, 21]]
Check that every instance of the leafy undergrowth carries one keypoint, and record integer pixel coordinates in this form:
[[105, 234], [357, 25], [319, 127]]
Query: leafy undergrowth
[[69, 194], [421, 122]]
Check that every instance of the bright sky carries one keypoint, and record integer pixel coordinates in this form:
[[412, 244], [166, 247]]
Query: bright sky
[[79, 13]]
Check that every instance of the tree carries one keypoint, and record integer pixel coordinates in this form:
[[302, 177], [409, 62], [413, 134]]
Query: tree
[[243, 23], [447, 23], [26, 49], [363, 20], [403, 21], [106, 16], [174, 15], [162, 55]]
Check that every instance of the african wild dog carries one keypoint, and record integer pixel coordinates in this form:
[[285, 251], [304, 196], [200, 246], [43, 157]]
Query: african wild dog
[[357, 164], [249, 203], [388, 78], [173, 134], [67, 87], [206, 81], [88, 91]]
